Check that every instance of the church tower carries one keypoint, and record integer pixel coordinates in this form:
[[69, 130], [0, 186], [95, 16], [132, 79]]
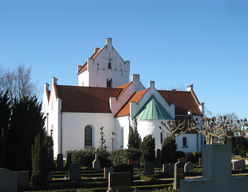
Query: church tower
[[105, 68]]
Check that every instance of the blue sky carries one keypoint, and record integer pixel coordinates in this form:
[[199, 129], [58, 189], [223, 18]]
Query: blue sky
[[174, 43]]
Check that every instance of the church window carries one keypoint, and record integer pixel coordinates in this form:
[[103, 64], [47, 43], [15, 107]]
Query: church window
[[161, 137], [109, 66], [88, 136], [109, 83], [185, 142]]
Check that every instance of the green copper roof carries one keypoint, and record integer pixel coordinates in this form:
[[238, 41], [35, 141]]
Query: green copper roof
[[153, 110]]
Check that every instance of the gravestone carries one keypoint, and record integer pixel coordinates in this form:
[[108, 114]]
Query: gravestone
[[60, 160], [124, 168], [22, 179], [148, 168], [96, 163], [50, 159], [240, 164], [168, 168], [216, 172], [134, 163], [119, 181], [68, 160], [49, 176], [108, 170], [178, 174], [75, 172], [158, 161], [188, 167], [8, 180]]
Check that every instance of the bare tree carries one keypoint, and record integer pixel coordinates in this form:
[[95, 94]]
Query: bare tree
[[17, 82]]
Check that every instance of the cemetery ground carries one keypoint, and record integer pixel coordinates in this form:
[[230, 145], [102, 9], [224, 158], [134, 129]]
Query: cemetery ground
[[94, 180]]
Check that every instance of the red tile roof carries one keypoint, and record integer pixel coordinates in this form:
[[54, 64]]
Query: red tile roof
[[135, 98], [86, 99], [183, 101], [124, 87], [84, 67]]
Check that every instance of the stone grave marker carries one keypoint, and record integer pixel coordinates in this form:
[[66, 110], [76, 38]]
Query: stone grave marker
[[96, 163], [124, 168], [168, 168], [8, 180], [68, 160], [134, 163], [188, 167], [50, 159], [158, 161], [60, 160], [22, 179], [108, 170], [216, 172], [49, 176], [148, 168], [75, 172], [240, 164], [178, 174], [119, 181]]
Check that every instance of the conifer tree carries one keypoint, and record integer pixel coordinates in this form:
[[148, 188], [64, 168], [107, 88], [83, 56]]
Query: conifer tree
[[148, 149], [133, 137], [5, 111], [26, 123], [39, 161], [169, 148]]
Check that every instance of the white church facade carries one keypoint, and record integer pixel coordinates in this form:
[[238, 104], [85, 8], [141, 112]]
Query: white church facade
[[104, 97]]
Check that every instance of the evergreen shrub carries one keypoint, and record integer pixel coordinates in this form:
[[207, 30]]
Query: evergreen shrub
[[179, 155]]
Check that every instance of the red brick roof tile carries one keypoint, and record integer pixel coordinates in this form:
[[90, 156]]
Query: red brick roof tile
[[86, 99], [135, 98], [183, 101]]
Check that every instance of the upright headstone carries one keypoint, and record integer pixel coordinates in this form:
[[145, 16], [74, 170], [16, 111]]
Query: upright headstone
[[75, 172], [188, 167], [148, 168], [178, 174], [22, 179], [96, 163], [8, 180], [107, 170], [68, 160], [158, 161], [119, 181], [60, 160], [240, 164], [216, 172], [49, 176], [168, 168], [124, 168], [50, 159]]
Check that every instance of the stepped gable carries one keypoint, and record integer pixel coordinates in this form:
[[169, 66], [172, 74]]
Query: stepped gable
[[86, 99]]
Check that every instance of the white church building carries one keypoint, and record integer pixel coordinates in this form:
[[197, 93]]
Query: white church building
[[104, 97]]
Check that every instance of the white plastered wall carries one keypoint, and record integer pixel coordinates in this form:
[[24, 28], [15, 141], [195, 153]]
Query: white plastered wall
[[73, 126]]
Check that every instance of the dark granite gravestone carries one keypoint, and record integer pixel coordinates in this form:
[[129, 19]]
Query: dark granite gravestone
[[107, 170], [178, 174], [158, 161], [188, 167], [149, 168], [125, 168], [119, 181], [75, 172], [60, 160], [8, 180], [22, 179], [68, 160], [168, 168], [50, 159]]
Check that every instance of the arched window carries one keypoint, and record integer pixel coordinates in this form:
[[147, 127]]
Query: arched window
[[88, 136], [184, 142], [109, 83]]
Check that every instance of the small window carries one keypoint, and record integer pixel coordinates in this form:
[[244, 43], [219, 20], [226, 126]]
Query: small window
[[88, 136], [109, 66], [109, 83], [185, 142], [161, 137]]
